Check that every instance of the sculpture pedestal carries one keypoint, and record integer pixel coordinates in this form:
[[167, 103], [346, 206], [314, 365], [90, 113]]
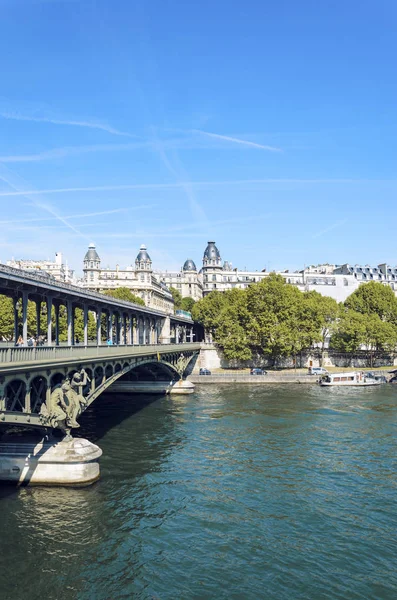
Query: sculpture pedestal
[[73, 462], [183, 386]]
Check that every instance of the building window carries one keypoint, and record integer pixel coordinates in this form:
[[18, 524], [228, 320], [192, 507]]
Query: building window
[[214, 278]]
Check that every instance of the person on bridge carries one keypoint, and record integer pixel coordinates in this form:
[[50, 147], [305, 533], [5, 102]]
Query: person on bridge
[[109, 342], [20, 341]]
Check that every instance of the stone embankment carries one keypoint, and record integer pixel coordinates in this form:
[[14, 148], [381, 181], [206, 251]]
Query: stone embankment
[[252, 379]]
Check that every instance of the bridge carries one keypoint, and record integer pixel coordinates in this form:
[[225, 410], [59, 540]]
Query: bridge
[[126, 322], [48, 387]]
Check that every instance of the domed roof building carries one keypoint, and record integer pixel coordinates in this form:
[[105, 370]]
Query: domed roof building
[[187, 281], [211, 255], [139, 279], [189, 266], [143, 260], [91, 253]]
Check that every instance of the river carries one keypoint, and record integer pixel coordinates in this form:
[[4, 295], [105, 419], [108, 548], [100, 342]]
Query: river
[[234, 492]]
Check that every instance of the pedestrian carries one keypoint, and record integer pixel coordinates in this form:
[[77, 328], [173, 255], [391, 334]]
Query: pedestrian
[[77, 340], [20, 341], [109, 342], [31, 341]]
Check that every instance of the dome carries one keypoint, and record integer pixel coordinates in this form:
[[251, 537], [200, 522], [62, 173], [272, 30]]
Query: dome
[[211, 252], [227, 266], [91, 253], [143, 255], [189, 265]]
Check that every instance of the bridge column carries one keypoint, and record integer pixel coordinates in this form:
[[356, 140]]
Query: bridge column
[[16, 328], [117, 326], [85, 316], [125, 330], [145, 331], [69, 311], [122, 329], [130, 329], [49, 322], [38, 314], [25, 296], [98, 326], [165, 330], [110, 325], [57, 324]]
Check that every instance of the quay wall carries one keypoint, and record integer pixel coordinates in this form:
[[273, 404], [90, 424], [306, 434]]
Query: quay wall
[[212, 358], [228, 378]]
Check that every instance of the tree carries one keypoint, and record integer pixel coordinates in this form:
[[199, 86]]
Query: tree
[[6, 318], [276, 311], [187, 304], [207, 310], [123, 293], [322, 313], [374, 298], [349, 332], [177, 296]]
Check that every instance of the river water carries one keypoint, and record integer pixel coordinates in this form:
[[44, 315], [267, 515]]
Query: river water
[[277, 492]]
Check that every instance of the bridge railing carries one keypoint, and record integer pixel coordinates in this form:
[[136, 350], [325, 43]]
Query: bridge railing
[[45, 353]]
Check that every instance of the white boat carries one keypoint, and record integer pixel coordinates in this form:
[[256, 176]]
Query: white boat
[[351, 378]]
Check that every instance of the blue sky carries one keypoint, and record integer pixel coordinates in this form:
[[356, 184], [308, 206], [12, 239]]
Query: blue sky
[[267, 127]]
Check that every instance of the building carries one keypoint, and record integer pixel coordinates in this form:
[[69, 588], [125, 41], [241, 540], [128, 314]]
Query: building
[[57, 268], [322, 278], [187, 281], [382, 273], [139, 279], [222, 277]]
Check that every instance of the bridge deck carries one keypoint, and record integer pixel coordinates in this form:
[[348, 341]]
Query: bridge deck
[[19, 359]]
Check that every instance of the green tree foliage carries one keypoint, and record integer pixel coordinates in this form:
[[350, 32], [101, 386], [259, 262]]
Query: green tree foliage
[[177, 296], [123, 293], [187, 304], [6, 318], [275, 319], [374, 298]]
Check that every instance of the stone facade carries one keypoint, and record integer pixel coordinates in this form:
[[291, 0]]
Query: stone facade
[[383, 273], [139, 279], [222, 277], [56, 268], [187, 281]]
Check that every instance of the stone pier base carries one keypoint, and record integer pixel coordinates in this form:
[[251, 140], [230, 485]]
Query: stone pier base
[[183, 386], [73, 462]]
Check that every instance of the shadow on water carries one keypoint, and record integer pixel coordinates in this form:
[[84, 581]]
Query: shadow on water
[[109, 411], [54, 539]]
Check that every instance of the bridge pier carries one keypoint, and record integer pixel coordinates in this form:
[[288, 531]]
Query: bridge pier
[[71, 462]]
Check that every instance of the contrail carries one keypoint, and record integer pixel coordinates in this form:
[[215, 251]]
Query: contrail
[[236, 140], [75, 123], [182, 184]]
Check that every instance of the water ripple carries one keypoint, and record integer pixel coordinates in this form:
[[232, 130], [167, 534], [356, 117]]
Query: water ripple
[[232, 493]]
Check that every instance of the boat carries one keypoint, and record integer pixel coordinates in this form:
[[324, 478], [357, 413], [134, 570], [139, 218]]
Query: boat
[[352, 378]]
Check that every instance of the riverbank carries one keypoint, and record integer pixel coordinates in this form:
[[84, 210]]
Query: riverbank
[[285, 376], [253, 379]]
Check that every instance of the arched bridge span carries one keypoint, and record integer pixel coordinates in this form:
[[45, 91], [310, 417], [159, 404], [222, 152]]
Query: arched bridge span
[[27, 387]]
